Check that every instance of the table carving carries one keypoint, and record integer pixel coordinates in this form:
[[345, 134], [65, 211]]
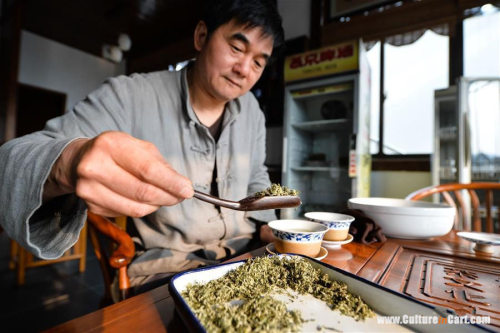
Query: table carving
[[444, 271], [466, 287]]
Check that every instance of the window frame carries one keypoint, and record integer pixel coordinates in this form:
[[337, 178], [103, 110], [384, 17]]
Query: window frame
[[414, 162], [395, 17]]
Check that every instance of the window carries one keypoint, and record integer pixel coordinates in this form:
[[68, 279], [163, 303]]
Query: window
[[482, 44], [408, 67], [411, 74]]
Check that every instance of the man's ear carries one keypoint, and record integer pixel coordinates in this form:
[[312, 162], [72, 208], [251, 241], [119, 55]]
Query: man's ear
[[200, 35]]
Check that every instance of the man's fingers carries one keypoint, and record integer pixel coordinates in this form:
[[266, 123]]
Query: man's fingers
[[143, 160], [97, 196], [96, 209], [120, 175], [125, 184]]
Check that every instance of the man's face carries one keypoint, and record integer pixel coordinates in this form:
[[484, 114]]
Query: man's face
[[232, 60]]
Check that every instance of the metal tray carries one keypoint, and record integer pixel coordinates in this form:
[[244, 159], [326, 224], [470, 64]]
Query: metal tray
[[384, 301]]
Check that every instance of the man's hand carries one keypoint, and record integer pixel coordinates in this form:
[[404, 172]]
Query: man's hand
[[266, 234], [117, 174]]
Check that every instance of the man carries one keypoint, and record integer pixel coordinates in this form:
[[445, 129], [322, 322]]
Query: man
[[138, 146]]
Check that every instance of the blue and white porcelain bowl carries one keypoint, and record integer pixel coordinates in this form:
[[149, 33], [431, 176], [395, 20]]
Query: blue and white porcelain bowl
[[338, 224], [298, 236]]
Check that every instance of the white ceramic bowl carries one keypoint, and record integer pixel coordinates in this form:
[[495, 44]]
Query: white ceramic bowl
[[298, 236], [408, 219], [338, 224]]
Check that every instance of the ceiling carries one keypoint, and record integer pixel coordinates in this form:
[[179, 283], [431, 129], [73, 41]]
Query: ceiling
[[88, 24]]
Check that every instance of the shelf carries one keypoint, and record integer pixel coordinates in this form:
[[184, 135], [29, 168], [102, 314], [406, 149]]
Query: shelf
[[322, 125], [314, 92], [485, 178], [448, 133], [311, 168], [489, 173]]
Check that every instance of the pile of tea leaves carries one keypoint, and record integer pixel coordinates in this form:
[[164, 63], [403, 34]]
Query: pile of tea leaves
[[276, 190], [241, 300]]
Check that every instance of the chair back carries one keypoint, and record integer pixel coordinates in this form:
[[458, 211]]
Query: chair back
[[114, 254], [475, 204]]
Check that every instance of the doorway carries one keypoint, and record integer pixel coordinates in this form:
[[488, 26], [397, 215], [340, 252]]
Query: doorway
[[35, 106]]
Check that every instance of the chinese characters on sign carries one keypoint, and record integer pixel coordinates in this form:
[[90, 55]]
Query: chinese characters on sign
[[325, 61]]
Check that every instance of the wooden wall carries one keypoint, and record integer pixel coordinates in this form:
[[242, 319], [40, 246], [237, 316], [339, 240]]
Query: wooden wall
[[412, 15], [10, 35]]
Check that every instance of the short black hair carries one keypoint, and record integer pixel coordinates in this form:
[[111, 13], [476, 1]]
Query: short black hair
[[252, 13]]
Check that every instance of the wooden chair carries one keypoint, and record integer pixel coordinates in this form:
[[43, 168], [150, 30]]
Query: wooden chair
[[21, 259], [480, 197], [113, 256]]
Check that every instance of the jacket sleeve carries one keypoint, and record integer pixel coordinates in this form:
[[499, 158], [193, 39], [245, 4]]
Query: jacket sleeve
[[50, 229], [259, 179]]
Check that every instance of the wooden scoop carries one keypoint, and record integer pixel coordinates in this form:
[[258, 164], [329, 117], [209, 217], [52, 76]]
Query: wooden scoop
[[252, 202]]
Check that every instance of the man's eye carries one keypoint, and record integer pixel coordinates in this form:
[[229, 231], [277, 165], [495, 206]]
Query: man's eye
[[258, 64], [235, 48]]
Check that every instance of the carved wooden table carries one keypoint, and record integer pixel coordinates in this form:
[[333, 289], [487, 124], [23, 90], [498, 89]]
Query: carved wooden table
[[445, 271]]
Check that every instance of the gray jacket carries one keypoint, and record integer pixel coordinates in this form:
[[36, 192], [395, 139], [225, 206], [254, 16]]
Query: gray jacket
[[153, 107]]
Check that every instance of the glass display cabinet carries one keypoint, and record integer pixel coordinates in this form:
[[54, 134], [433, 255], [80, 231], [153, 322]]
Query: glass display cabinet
[[467, 139], [326, 127]]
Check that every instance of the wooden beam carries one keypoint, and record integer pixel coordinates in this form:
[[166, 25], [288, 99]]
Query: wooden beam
[[317, 14], [396, 20], [466, 4], [10, 45], [159, 60], [456, 54]]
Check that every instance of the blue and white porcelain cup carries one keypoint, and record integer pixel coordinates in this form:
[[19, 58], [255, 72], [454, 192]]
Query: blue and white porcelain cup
[[298, 236], [338, 224]]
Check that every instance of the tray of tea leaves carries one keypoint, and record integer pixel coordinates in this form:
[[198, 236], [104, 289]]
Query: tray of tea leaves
[[293, 293]]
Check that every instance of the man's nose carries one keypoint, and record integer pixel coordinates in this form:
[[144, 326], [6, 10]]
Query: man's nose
[[242, 66]]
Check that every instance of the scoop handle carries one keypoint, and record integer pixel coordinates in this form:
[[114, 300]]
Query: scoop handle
[[217, 201]]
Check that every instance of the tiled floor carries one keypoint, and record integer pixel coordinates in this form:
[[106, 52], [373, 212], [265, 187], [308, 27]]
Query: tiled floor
[[51, 295]]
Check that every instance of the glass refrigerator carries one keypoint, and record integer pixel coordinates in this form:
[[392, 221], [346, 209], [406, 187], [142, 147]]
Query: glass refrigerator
[[326, 127], [467, 139]]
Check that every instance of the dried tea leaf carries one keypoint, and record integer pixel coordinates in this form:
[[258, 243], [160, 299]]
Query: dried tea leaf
[[240, 300], [276, 190]]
